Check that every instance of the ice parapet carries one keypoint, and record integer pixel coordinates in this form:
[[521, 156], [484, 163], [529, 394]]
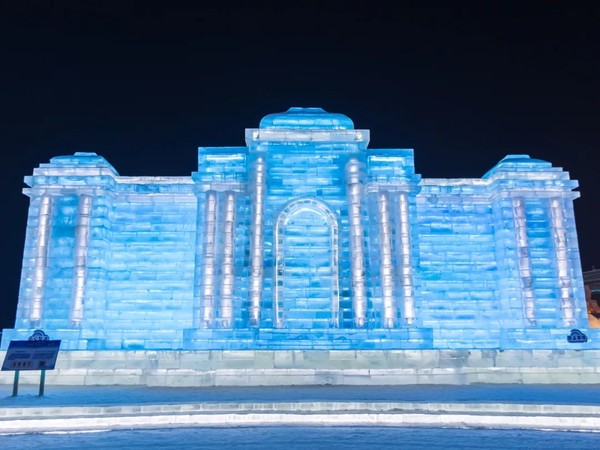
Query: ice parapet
[[302, 239]]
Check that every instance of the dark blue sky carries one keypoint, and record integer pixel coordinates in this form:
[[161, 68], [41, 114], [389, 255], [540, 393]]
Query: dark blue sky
[[144, 84]]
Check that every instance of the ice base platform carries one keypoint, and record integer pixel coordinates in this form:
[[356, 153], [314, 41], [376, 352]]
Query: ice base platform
[[321, 339]]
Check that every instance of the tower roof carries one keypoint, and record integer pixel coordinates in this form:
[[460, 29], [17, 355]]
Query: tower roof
[[307, 118]]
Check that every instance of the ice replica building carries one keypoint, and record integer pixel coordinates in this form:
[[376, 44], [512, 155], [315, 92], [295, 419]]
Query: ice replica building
[[303, 239]]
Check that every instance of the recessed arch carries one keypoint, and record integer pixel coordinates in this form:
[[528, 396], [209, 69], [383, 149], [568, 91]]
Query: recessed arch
[[288, 212]]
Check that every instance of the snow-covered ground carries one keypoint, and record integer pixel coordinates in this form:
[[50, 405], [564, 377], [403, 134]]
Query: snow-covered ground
[[76, 409]]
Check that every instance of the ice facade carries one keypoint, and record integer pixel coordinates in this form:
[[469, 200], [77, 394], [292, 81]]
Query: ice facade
[[303, 239]]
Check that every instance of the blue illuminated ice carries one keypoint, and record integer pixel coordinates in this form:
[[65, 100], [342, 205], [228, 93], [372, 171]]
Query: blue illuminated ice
[[304, 238]]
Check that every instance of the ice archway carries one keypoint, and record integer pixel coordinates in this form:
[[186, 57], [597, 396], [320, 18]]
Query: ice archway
[[306, 259]]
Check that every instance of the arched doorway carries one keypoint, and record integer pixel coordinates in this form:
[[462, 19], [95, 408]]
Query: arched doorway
[[306, 257]]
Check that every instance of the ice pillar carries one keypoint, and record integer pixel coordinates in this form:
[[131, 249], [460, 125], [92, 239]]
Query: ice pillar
[[82, 236], [406, 270], [208, 258], [524, 259], [226, 306], [279, 270], [560, 247], [41, 259], [198, 261], [335, 298], [385, 258], [354, 193], [256, 241]]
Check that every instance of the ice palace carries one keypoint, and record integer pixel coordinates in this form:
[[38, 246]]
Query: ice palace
[[303, 239]]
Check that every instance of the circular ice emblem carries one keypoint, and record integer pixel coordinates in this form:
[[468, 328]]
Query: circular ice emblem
[[39, 335], [576, 336]]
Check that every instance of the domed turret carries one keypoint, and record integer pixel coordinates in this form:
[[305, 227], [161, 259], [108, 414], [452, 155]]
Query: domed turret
[[307, 118]]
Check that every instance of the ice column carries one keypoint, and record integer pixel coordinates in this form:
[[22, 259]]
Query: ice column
[[356, 241], [199, 260], [406, 270], [208, 274], [41, 259], [256, 241], [226, 307], [560, 246], [385, 258], [82, 236], [524, 260]]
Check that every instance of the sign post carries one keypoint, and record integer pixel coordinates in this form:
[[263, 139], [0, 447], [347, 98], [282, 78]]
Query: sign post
[[37, 353], [42, 381], [16, 384]]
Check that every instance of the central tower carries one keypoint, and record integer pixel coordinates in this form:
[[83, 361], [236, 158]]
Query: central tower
[[300, 219]]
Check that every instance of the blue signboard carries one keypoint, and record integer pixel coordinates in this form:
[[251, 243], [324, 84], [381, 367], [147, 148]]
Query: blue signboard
[[31, 355]]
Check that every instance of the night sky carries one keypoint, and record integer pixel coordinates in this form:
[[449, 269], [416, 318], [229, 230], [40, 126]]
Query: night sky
[[145, 84]]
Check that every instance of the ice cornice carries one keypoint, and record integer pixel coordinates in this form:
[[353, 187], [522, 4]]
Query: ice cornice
[[255, 136]]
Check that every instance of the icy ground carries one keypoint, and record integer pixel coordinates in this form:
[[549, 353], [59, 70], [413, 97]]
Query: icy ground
[[134, 395], [299, 437], [313, 438]]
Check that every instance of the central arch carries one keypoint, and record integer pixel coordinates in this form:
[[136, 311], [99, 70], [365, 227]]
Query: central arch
[[307, 266]]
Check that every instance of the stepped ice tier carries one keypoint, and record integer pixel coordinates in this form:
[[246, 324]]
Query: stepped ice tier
[[303, 239]]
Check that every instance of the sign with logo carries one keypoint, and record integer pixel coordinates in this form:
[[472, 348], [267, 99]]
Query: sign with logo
[[35, 354]]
